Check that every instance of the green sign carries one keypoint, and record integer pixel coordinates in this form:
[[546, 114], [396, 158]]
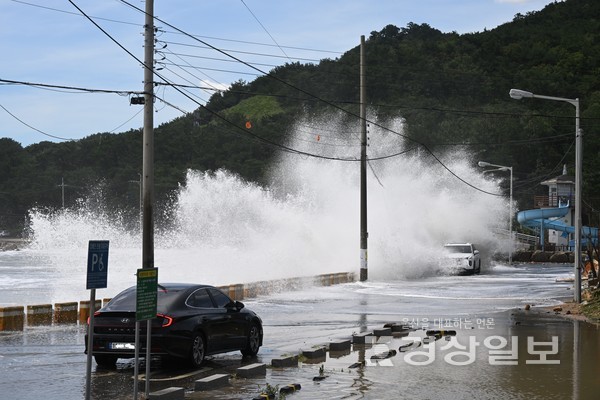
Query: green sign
[[147, 285]]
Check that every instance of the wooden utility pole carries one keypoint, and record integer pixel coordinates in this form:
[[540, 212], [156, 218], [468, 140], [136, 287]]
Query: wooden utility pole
[[147, 183], [148, 151], [363, 165], [62, 185]]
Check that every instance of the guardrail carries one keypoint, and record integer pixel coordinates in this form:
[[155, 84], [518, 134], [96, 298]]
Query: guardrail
[[16, 318], [520, 239]]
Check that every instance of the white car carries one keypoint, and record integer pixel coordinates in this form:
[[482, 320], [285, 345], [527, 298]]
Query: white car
[[463, 257]]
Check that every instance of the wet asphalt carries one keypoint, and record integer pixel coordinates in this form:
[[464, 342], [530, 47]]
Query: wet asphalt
[[491, 352]]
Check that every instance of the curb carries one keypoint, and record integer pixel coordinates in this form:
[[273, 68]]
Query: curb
[[13, 318]]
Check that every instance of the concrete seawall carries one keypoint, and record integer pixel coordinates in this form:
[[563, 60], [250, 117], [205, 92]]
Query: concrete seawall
[[17, 318]]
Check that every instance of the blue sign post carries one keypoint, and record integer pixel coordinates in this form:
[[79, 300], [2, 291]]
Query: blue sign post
[[97, 276], [97, 265]]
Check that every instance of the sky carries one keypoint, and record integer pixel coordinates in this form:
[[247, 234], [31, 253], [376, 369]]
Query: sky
[[50, 42]]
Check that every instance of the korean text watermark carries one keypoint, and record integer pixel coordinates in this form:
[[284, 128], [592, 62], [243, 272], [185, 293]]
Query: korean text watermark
[[498, 350]]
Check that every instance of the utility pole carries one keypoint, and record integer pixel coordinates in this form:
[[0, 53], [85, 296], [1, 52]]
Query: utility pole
[[148, 151], [363, 165], [578, 182], [62, 185], [148, 182]]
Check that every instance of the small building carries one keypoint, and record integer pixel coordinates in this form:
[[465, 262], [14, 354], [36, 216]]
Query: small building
[[561, 191]]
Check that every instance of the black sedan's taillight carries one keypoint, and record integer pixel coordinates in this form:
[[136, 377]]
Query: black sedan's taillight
[[166, 320], [95, 315]]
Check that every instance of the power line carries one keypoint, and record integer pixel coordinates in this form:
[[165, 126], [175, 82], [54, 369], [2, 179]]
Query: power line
[[224, 52], [210, 47], [172, 105], [511, 142], [80, 89], [132, 117], [265, 29], [286, 148], [247, 131], [311, 95], [557, 167], [71, 13], [218, 59], [72, 88], [228, 71], [463, 112], [200, 36], [373, 68], [188, 86], [473, 112], [256, 43], [202, 72], [319, 99], [31, 127], [181, 86]]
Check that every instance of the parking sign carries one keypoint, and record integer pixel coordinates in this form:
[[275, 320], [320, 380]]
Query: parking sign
[[97, 266]]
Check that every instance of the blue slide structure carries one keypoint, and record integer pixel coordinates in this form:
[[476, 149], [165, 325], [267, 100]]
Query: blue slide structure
[[549, 218]]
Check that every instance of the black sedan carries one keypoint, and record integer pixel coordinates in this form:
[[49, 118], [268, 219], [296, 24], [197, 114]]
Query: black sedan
[[193, 321]]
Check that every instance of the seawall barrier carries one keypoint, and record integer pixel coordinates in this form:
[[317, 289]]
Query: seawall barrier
[[12, 318], [17, 318]]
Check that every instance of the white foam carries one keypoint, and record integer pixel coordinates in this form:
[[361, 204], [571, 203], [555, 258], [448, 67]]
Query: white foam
[[306, 222]]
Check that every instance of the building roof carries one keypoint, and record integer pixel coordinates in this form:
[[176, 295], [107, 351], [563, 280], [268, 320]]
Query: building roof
[[562, 179]]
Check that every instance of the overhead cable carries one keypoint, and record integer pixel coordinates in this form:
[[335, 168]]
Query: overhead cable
[[31, 127]]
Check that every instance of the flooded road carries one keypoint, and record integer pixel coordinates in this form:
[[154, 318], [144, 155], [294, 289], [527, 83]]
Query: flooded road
[[489, 349]]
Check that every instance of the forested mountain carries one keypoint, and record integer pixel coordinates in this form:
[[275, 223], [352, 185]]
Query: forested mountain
[[451, 90]]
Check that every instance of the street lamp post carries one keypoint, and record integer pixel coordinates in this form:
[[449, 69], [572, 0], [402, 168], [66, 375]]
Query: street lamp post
[[510, 213], [519, 94]]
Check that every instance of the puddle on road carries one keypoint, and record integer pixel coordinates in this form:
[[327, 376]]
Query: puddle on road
[[527, 357]]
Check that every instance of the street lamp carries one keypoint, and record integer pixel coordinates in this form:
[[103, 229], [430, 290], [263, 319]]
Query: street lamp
[[519, 94], [510, 213]]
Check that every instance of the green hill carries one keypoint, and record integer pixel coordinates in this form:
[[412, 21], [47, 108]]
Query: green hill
[[451, 89]]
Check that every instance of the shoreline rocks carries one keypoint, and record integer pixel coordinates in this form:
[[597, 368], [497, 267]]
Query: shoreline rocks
[[540, 256], [12, 244]]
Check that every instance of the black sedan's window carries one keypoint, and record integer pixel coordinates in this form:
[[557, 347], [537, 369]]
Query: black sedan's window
[[221, 299], [126, 300], [200, 299]]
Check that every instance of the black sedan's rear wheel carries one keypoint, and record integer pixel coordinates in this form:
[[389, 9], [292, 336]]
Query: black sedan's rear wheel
[[106, 361], [198, 350], [253, 345]]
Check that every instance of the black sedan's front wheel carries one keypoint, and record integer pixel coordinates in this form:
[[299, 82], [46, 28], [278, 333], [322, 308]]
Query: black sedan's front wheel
[[198, 350], [253, 345]]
